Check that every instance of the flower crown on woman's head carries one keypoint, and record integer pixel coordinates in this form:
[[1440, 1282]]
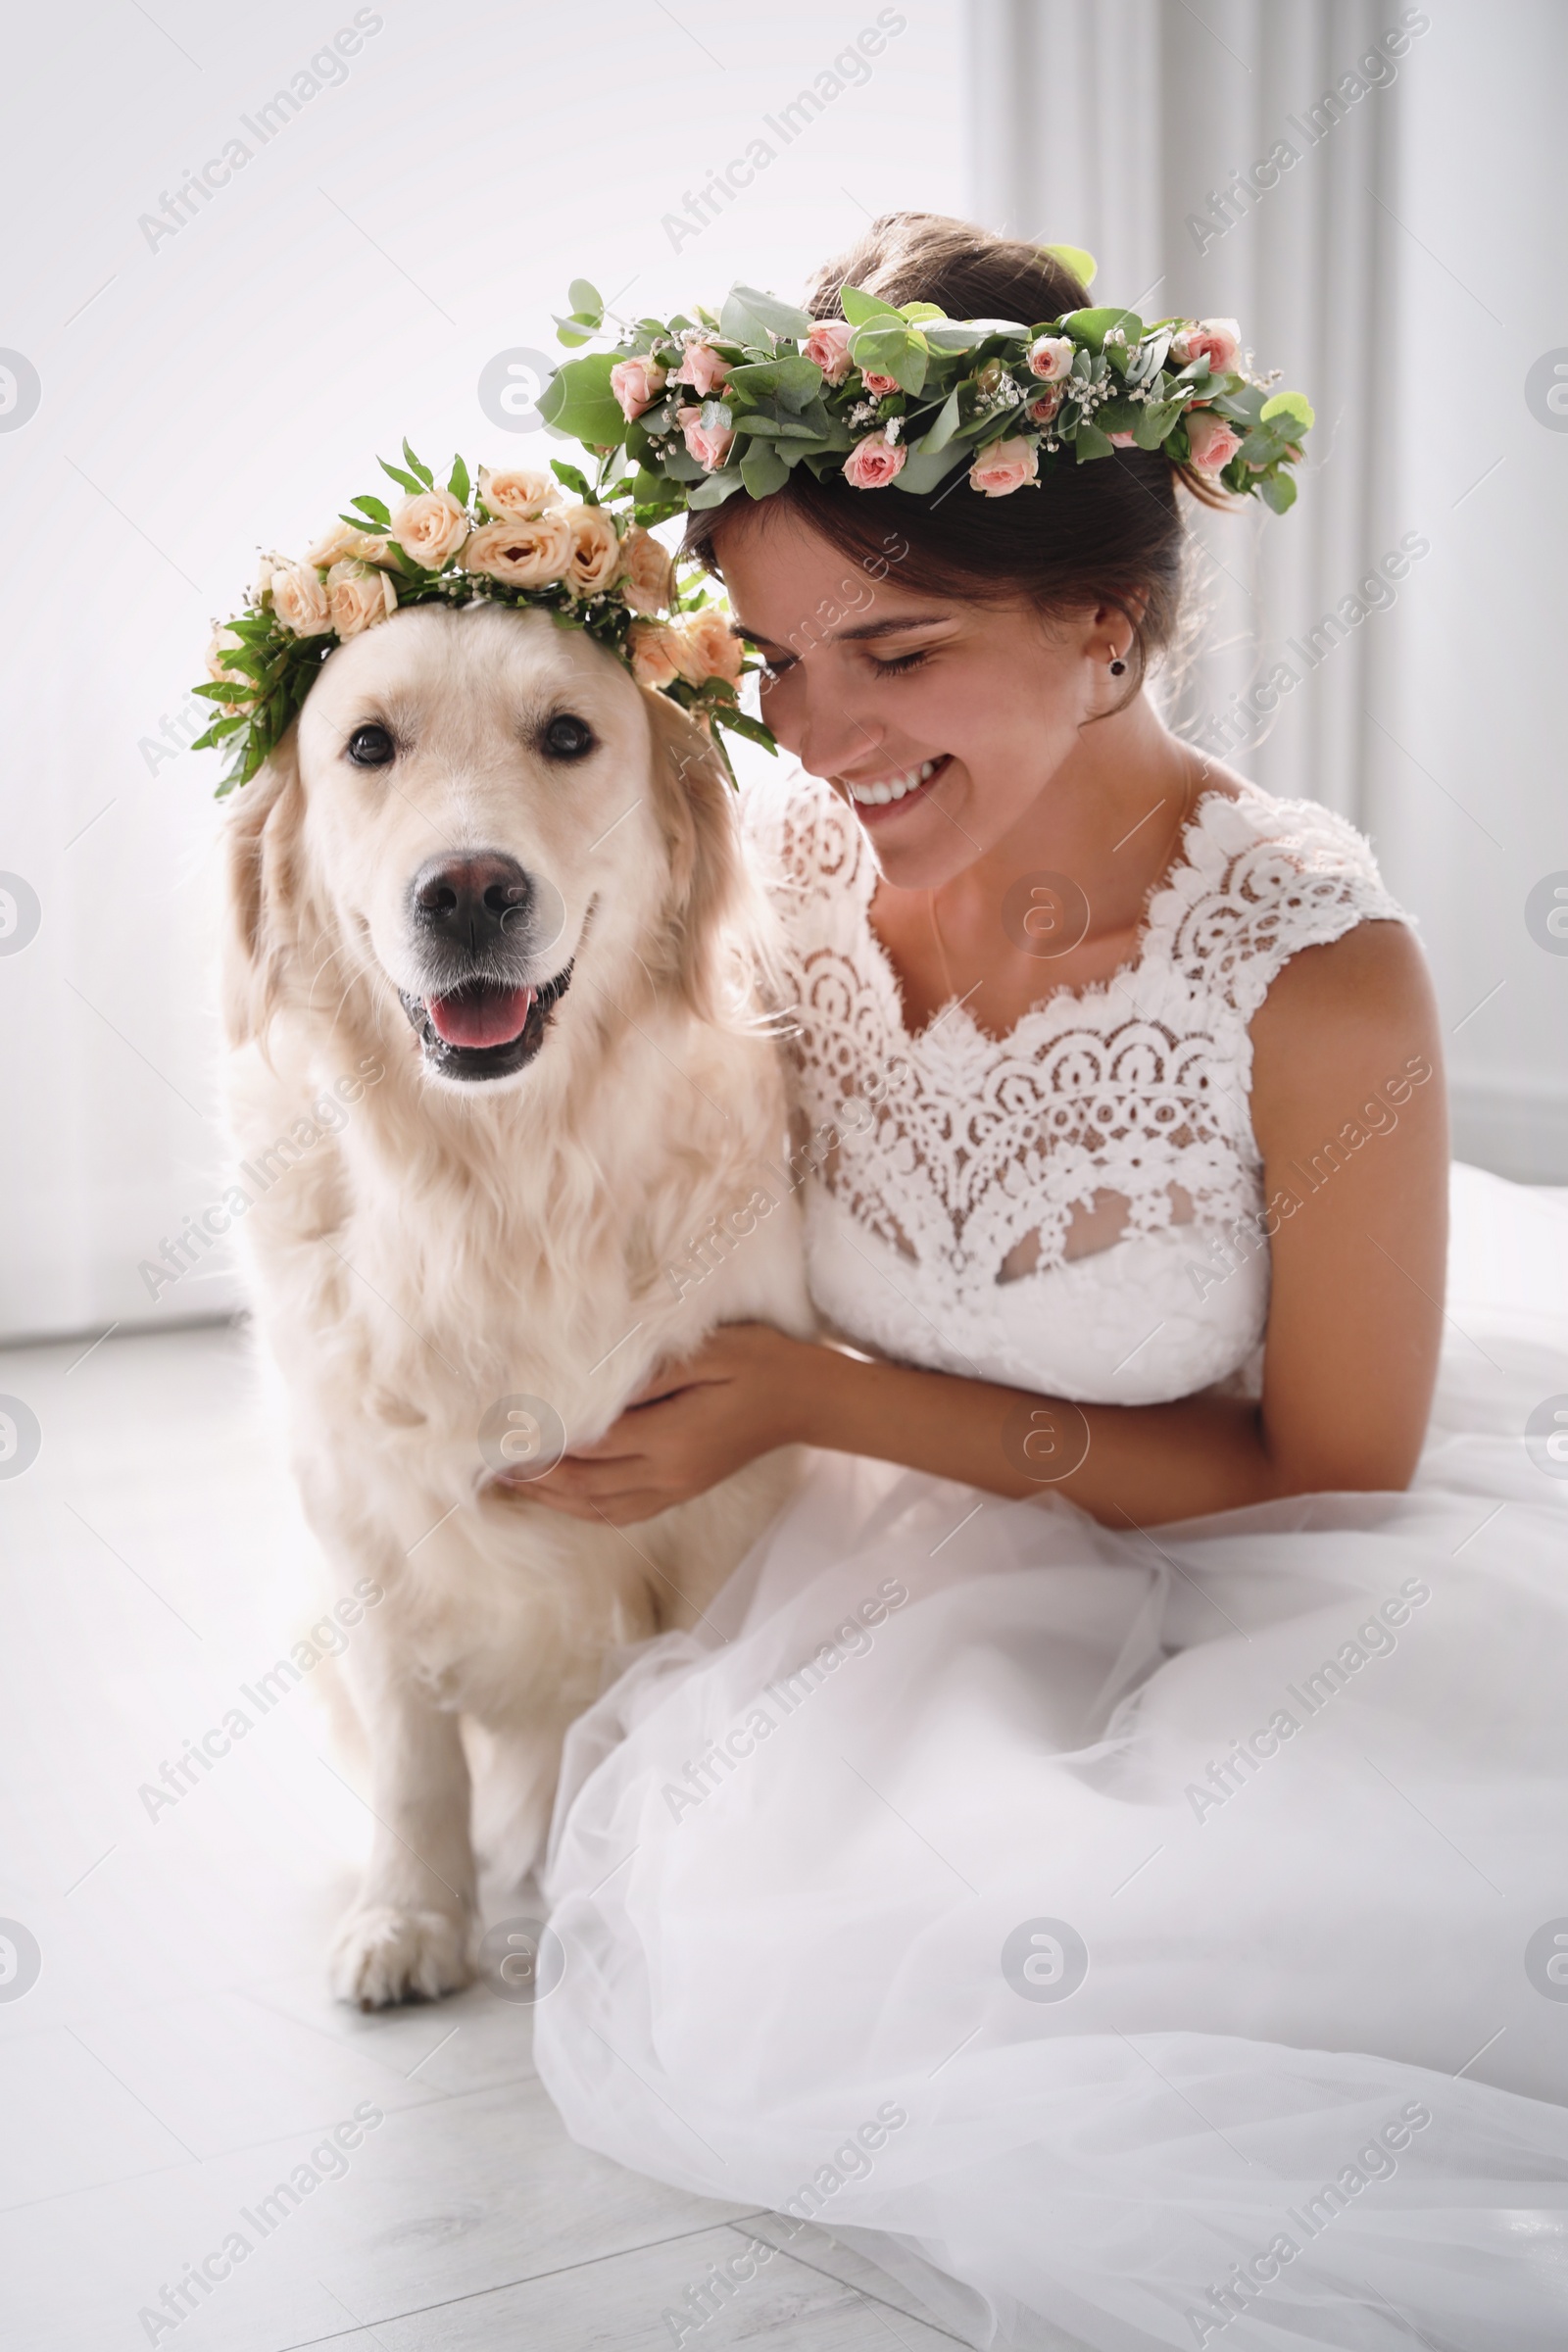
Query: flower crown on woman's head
[[510, 538], [902, 396]]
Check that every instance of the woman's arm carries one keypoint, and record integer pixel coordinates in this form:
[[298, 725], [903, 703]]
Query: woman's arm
[[1348, 1107]]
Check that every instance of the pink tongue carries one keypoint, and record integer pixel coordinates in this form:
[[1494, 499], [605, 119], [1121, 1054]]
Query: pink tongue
[[480, 1016]]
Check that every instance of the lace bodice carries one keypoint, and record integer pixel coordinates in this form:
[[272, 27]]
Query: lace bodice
[[1059, 1208]]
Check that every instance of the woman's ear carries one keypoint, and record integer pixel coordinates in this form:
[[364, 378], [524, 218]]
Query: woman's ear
[[697, 811], [264, 848]]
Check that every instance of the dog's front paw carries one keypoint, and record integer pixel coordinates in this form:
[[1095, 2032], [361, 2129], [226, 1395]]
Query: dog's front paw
[[382, 1955]]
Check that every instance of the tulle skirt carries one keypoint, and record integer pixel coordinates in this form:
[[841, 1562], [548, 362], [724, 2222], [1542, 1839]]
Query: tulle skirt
[[1125, 1940]]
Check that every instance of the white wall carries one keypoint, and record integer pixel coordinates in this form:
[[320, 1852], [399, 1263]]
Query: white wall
[[234, 382], [1407, 270]]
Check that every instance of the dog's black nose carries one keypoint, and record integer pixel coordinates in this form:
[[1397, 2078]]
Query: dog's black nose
[[471, 901]]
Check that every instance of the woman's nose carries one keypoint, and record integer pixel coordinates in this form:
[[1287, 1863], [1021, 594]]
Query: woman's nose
[[833, 734]]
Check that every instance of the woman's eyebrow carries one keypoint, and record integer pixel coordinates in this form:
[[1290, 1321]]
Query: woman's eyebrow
[[867, 628]]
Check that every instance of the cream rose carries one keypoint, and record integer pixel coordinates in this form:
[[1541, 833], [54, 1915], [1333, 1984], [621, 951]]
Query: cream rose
[[530, 553], [431, 528], [360, 596], [594, 556], [1212, 442], [1002, 467], [517, 492], [1050, 357], [299, 601], [343, 543], [828, 346], [702, 648], [646, 573], [651, 647], [872, 463], [636, 384], [266, 567]]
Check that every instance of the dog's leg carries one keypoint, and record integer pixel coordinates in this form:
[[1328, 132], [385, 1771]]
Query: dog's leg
[[410, 1933]]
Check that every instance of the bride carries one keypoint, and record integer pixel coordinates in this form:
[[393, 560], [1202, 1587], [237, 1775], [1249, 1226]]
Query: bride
[[1102, 1854]]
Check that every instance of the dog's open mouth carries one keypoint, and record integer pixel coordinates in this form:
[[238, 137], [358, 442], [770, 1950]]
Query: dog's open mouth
[[485, 1029]]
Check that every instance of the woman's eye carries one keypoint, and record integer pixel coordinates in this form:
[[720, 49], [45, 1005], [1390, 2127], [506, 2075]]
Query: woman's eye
[[568, 737], [371, 747], [901, 663]]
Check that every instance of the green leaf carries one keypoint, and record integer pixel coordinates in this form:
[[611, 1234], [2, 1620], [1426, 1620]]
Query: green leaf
[[416, 466], [1293, 405], [585, 298], [573, 335], [923, 469], [375, 507], [1278, 490], [890, 350], [740, 722], [1083, 266], [916, 313], [755, 319], [1091, 328], [938, 435], [573, 479], [792, 379], [1091, 442], [763, 470], [861, 308], [1155, 421], [958, 334], [408, 481], [458, 481], [714, 488], [578, 401]]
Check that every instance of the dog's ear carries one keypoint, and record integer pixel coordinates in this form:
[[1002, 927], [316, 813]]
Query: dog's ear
[[705, 913], [264, 851]]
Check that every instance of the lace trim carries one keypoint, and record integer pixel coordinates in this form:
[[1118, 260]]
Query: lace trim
[[977, 1157]]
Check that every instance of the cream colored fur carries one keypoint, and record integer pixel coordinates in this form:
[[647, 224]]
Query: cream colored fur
[[456, 1244]]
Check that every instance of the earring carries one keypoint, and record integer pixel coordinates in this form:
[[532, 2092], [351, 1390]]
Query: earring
[[1117, 665]]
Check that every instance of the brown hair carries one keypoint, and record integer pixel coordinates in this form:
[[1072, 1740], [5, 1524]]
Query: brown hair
[[1108, 532]]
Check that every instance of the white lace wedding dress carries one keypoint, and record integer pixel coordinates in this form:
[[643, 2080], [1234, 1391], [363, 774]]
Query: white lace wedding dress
[[1127, 1939]]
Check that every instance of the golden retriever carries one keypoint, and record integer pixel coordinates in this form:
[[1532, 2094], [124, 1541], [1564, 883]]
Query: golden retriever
[[489, 865]]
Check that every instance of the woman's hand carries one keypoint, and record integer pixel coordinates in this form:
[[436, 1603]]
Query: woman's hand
[[694, 1424]]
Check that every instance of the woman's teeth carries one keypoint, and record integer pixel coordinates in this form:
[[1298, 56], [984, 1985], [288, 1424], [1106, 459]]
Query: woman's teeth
[[891, 788]]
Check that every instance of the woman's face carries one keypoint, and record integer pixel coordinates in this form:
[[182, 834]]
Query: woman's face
[[941, 721]]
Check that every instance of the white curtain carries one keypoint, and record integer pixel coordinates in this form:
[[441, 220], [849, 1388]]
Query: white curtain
[[1412, 596]]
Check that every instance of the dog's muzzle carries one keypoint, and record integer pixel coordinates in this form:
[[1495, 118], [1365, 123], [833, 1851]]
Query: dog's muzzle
[[482, 923]]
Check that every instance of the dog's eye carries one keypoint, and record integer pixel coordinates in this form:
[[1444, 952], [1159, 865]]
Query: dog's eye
[[371, 747], [568, 737]]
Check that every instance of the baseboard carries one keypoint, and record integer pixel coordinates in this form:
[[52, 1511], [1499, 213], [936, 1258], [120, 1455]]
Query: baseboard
[[1516, 1127]]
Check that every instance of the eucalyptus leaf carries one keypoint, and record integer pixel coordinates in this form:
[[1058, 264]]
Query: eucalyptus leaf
[[1083, 266], [923, 469], [861, 308], [763, 470], [1278, 490], [585, 298], [713, 491], [755, 319], [1092, 327], [579, 402], [1293, 405], [1091, 442], [938, 434]]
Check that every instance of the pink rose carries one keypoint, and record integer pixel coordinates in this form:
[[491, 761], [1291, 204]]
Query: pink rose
[[701, 647], [872, 463], [708, 444], [1122, 440], [651, 647], [1002, 467], [1050, 357], [636, 384], [879, 386], [1212, 442], [702, 369], [828, 345], [1217, 340], [1041, 411]]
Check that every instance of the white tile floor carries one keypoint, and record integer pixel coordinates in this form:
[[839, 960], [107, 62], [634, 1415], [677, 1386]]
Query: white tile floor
[[178, 2055]]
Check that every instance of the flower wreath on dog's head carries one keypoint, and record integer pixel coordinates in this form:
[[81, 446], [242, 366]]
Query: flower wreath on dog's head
[[687, 413]]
